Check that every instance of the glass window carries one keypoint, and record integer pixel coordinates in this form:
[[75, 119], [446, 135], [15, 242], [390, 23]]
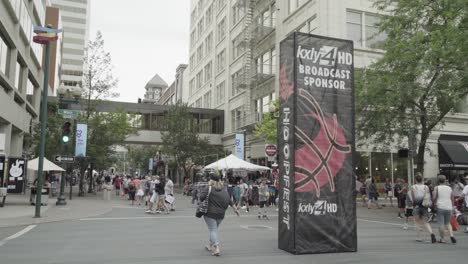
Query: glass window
[[19, 71], [295, 4], [209, 15], [4, 49], [221, 29], [354, 27], [207, 100], [219, 96], [30, 89], [220, 61], [191, 85], [201, 27], [374, 39], [209, 43], [238, 46], [208, 71], [266, 104], [238, 11], [199, 79], [237, 80]]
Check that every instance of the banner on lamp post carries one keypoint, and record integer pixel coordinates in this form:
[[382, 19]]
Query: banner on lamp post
[[317, 207], [81, 137], [239, 145]]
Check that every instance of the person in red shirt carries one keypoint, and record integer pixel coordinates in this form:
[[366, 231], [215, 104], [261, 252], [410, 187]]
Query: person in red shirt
[[117, 184]]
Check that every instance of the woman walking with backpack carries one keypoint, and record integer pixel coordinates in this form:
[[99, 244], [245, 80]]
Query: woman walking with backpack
[[218, 202]]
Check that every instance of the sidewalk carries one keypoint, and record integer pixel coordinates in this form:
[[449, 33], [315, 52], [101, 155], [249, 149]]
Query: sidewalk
[[18, 211]]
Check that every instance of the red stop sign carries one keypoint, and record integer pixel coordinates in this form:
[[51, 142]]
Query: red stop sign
[[270, 150]]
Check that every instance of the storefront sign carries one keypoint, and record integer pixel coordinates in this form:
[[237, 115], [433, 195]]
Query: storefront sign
[[16, 175], [316, 144]]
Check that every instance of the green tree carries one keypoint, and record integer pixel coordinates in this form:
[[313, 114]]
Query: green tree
[[53, 134], [422, 76], [181, 140], [98, 84], [267, 128], [99, 81], [139, 155], [105, 131]]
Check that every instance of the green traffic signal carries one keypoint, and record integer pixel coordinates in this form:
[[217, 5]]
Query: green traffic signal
[[65, 139], [66, 130]]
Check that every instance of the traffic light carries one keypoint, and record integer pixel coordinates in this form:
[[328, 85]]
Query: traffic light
[[66, 130]]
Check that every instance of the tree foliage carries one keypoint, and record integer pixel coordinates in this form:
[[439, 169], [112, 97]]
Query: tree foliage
[[422, 76], [99, 80], [53, 134], [181, 140], [267, 128], [139, 155], [106, 130]]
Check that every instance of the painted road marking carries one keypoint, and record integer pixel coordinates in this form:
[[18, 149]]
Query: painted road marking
[[20, 233], [152, 217], [379, 222], [190, 216]]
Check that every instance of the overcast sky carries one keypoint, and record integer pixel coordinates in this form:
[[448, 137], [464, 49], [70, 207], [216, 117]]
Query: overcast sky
[[144, 37]]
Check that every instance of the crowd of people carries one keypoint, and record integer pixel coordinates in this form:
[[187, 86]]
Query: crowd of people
[[156, 192], [423, 202]]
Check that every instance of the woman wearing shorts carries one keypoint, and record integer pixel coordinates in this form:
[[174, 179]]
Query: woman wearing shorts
[[262, 198], [443, 198]]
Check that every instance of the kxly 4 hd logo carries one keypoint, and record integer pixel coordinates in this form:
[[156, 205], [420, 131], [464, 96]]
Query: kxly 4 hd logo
[[319, 208]]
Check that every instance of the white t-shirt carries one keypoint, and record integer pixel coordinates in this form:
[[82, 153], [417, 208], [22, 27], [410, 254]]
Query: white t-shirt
[[169, 187], [465, 192], [444, 197]]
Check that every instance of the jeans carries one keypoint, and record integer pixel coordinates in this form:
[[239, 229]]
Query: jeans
[[213, 225]]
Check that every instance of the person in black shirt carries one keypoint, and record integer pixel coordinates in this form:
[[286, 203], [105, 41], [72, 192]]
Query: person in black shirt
[[218, 202]]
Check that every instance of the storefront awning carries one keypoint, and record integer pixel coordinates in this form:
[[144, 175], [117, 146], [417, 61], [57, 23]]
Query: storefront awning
[[453, 152]]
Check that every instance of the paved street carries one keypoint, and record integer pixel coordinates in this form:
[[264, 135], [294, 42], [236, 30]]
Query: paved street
[[127, 235]]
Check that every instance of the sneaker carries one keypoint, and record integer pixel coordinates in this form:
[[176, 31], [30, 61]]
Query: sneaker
[[265, 217], [454, 241], [243, 207], [172, 210], [259, 217], [215, 251], [208, 248], [248, 210], [405, 227], [433, 238]]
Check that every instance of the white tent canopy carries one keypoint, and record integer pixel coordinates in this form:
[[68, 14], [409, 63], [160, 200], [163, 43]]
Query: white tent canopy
[[234, 163], [47, 165]]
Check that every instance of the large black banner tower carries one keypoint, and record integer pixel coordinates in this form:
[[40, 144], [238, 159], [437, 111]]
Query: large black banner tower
[[316, 145]]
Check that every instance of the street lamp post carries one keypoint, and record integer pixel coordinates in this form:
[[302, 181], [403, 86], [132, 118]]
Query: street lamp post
[[45, 35]]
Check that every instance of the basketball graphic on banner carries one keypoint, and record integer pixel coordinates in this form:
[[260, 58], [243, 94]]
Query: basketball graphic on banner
[[317, 203]]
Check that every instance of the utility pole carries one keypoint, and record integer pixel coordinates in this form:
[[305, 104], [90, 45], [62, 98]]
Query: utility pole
[[45, 35]]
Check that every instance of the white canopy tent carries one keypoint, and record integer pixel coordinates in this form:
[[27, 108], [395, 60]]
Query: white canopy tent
[[234, 163], [47, 165]]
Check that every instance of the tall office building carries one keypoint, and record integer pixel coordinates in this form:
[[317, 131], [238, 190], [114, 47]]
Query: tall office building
[[21, 75], [75, 20], [234, 49]]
